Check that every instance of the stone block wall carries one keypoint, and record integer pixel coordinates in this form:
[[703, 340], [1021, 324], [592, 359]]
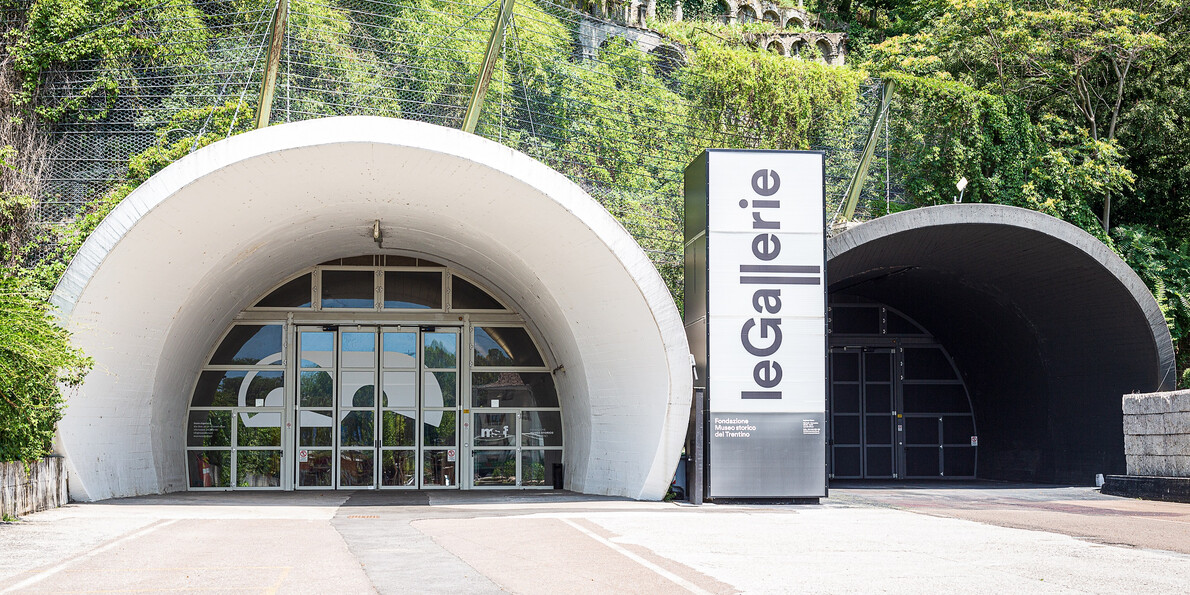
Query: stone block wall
[[1157, 434], [42, 487]]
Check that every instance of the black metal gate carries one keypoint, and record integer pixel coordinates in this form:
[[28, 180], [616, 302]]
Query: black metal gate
[[898, 406]]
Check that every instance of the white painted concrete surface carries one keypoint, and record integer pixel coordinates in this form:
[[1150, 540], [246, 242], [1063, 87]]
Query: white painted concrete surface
[[157, 283]]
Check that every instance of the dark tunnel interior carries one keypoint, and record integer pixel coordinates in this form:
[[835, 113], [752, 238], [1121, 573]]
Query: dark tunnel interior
[[1046, 335]]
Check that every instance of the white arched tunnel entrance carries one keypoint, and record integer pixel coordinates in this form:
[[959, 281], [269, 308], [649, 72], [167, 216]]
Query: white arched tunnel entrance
[[155, 287]]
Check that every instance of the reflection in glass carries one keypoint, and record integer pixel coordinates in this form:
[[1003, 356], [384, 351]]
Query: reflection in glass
[[316, 469], [315, 389], [294, 294], [495, 467], [250, 345], [399, 428], [209, 468], [465, 295], [400, 350], [317, 436], [209, 428], [413, 289], [537, 466], [505, 346], [348, 289], [359, 349], [259, 429], [317, 349], [239, 389], [355, 468], [441, 389], [258, 468], [438, 468], [513, 389], [495, 429], [315, 428], [357, 428], [541, 428], [358, 389], [400, 389], [439, 350], [398, 468], [441, 433]]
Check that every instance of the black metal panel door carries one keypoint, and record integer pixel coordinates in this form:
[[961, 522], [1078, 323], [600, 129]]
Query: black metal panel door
[[864, 413]]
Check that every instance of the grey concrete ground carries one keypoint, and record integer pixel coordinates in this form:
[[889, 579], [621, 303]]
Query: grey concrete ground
[[977, 538]]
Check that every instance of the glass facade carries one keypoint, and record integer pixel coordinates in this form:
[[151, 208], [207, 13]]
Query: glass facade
[[302, 394]]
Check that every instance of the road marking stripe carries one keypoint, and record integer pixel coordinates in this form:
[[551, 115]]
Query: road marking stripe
[[59, 568], [681, 582]]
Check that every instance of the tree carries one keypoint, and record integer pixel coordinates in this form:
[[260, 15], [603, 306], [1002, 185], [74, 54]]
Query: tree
[[1075, 59]]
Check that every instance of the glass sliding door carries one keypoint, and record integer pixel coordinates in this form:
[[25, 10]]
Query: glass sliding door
[[398, 408], [357, 408], [377, 407], [316, 370]]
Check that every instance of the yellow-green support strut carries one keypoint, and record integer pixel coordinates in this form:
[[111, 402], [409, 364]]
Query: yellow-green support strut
[[265, 108], [851, 197], [495, 43]]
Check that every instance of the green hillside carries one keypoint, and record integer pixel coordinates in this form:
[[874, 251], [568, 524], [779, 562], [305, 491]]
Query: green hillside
[[1075, 108]]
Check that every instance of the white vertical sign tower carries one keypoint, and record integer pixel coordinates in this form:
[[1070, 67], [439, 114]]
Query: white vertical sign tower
[[756, 318]]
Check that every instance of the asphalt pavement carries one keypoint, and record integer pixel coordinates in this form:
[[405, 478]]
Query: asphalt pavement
[[893, 538]]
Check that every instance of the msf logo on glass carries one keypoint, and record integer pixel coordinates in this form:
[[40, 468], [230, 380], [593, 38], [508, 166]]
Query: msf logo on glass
[[761, 335]]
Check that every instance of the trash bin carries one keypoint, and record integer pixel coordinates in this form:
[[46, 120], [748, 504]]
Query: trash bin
[[559, 476]]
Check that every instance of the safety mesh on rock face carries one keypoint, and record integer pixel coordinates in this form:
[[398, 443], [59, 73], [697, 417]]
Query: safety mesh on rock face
[[603, 103]]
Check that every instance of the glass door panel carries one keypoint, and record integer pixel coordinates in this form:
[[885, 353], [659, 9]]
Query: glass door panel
[[315, 409], [357, 408], [495, 467], [537, 466], [438, 468], [357, 468], [439, 401], [494, 452], [398, 468], [398, 408]]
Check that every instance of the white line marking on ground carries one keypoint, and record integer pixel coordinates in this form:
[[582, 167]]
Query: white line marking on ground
[[681, 582], [59, 568]]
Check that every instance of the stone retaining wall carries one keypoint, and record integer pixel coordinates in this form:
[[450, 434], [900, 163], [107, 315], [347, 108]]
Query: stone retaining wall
[[41, 488], [1157, 434]]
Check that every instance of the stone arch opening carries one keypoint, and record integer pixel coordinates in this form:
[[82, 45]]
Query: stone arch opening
[[824, 50]]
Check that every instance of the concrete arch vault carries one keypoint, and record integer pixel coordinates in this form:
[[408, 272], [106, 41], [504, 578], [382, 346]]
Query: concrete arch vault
[[1046, 324], [155, 286]]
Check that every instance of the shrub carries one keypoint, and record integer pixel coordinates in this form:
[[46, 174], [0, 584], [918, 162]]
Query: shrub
[[37, 363]]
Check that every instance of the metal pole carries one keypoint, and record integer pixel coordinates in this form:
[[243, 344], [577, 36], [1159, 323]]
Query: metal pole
[[265, 108], [495, 43], [851, 197]]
